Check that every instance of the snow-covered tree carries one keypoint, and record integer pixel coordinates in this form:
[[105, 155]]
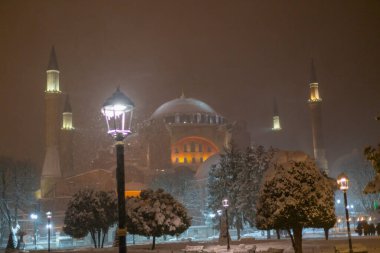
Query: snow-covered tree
[[18, 182], [373, 155], [181, 185], [91, 212], [223, 183], [257, 160], [295, 195], [156, 213]]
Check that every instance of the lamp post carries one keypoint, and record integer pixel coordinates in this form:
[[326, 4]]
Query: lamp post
[[220, 212], [34, 217], [117, 111], [342, 181], [48, 215], [212, 216], [225, 205]]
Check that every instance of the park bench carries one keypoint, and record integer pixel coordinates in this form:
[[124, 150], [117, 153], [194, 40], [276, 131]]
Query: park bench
[[193, 249]]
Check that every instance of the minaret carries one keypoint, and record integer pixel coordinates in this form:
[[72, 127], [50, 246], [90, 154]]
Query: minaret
[[276, 117], [51, 171], [315, 102], [66, 145]]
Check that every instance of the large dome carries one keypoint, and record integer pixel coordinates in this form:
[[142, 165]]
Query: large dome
[[183, 106]]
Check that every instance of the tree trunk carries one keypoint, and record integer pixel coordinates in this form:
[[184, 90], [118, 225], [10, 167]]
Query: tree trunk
[[238, 227], [104, 237], [278, 234], [326, 233], [297, 239], [99, 236], [291, 237], [93, 238], [154, 242], [268, 234]]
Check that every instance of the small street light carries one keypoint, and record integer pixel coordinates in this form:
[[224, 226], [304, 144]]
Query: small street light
[[342, 181], [48, 215], [34, 217], [117, 111], [220, 212], [225, 205]]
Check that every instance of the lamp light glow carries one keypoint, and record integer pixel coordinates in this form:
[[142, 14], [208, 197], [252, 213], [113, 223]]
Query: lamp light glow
[[118, 113], [342, 181]]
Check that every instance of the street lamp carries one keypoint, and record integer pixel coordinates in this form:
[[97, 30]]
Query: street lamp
[[34, 217], [220, 212], [117, 111], [48, 215], [225, 205], [342, 181]]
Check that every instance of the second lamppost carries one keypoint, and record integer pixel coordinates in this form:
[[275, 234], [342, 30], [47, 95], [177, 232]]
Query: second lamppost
[[48, 215], [118, 113], [342, 181], [34, 217], [225, 205]]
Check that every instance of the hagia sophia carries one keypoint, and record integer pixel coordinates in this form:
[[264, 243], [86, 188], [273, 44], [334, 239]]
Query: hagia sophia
[[183, 133]]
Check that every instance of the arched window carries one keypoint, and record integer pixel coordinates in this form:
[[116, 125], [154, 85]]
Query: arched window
[[192, 147]]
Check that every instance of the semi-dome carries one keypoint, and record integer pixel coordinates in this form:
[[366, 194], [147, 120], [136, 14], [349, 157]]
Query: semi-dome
[[182, 105], [187, 110]]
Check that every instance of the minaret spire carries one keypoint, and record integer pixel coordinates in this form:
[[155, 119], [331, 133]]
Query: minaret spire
[[313, 75], [67, 119], [276, 117], [51, 171], [66, 144], [52, 84], [53, 63], [315, 103], [314, 92]]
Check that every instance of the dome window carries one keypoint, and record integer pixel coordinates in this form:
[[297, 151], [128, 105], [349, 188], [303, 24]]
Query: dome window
[[177, 118]]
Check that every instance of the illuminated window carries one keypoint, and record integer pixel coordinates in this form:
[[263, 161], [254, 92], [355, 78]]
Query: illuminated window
[[192, 147]]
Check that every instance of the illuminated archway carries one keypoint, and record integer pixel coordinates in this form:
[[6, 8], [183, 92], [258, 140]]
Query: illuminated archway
[[192, 150]]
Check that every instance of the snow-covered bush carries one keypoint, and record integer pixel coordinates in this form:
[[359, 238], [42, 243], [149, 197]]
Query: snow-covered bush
[[156, 213], [91, 212], [296, 195]]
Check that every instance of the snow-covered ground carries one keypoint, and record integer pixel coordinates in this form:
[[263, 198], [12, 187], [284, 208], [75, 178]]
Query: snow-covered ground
[[311, 245]]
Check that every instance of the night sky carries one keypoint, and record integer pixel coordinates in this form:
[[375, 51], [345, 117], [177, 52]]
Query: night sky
[[237, 56]]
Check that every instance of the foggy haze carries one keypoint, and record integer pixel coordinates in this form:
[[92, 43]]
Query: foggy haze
[[237, 56]]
